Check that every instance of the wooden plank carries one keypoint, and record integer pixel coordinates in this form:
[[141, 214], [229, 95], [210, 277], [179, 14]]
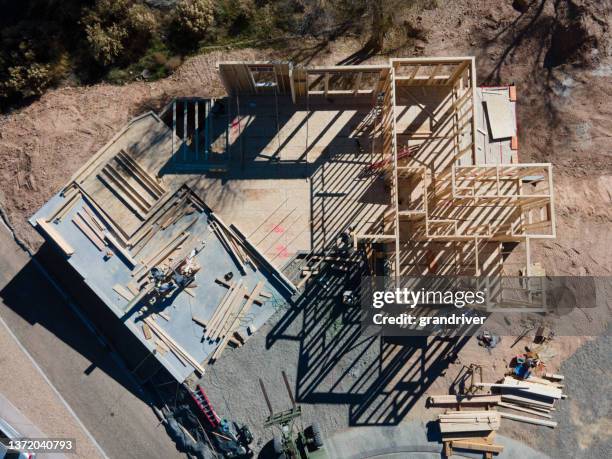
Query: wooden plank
[[464, 400], [523, 409], [125, 254], [527, 401], [470, 436], [123, 292], [463, 444], [460, 427], [225, 309], [55, 236], [109, 181], [65, 207], [89, 234], [244, 310], [143, 173], [161, 348], [199, 321], [146, 330], [539, 422], [233, 308], [146, 182], [246, 295], [228, 246], [173, 345], [90, 223], [533, 388], [128, 188], [214, 318], [157, 257], [502, 386]]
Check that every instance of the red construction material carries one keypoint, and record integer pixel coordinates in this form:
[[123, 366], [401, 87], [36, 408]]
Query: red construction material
[[203, 403]]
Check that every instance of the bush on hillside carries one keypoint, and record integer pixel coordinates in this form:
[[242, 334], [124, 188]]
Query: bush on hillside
[[194, 18], [117, 30]]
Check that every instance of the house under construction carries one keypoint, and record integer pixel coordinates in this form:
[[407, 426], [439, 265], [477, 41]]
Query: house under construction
[[410, 158]]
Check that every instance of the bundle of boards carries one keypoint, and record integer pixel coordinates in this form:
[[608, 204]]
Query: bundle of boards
[[472, 422], [471, 430], [231, 313]]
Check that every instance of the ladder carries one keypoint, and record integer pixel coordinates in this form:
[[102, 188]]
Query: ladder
[[203, 403]]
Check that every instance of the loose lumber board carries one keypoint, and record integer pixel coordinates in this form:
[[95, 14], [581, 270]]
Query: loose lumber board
[[65, 206], [89, 234], [56, 236], [464, 400], [533, 388], [226, 305], [523, 409], [228, 246], [124, 292], [199, 321], [164, 316], [502, 386], [124, 253], [499, 116], [540, 422], [470, 436], [243, 311], [89, 221], [176, 348], [467, 427], [475, 446], [246, 294], [146, 331], [231, 312], [526, 400]]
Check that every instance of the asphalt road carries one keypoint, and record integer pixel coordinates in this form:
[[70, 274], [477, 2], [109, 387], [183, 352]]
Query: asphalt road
[[88, 376]]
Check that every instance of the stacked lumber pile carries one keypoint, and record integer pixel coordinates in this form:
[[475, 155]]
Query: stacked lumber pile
[[469, 421], [471, 430], [534, 396], [232, 244], [466, 427], [181, 354], [230, 314]]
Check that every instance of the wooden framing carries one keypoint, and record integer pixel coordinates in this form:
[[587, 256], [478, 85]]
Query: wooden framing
[[455, 200]]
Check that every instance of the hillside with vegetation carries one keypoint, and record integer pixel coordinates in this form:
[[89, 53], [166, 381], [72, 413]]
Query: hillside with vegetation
[[45, 43]]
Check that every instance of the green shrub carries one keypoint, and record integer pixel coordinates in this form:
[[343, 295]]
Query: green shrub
[[194, 17], [106, 43], [141, 20], [26, 80], [117, 30]]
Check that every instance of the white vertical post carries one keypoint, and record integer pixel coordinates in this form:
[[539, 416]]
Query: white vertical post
[[173, 127], [196, 138], [184, 129]]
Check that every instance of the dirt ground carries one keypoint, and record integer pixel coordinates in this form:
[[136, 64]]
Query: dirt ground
[[564, 117]]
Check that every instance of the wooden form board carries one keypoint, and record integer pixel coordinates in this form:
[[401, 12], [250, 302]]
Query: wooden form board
[[502, 124]]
